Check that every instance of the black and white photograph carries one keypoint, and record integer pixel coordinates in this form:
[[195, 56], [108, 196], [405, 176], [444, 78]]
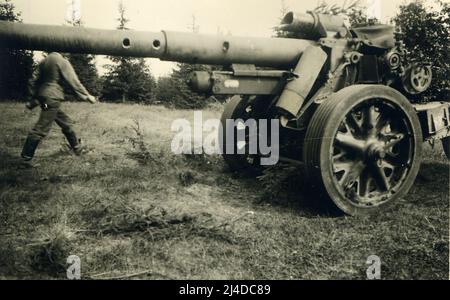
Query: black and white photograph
[[212, 140]]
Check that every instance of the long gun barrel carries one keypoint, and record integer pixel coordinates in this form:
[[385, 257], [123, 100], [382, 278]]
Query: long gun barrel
[[339, 94], [165, 45]]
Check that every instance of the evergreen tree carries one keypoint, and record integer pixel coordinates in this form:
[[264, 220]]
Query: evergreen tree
[[177, 93], [127, 79], [84, 66], [16, 65]]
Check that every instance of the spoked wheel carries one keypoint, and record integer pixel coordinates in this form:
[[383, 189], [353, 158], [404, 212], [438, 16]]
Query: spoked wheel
[[240, 109], [363, 148], [418, 80]]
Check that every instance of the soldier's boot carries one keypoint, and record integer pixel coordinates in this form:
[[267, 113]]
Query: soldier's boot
[[28, 151], [75, 143], [80, 149]]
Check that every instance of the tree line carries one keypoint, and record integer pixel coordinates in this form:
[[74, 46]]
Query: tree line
[[126, 79], [425, 31]]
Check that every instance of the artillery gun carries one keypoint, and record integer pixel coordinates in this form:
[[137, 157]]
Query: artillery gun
[[342, 96]]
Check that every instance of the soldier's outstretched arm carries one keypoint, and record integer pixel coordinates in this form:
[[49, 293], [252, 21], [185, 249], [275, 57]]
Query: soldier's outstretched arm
[[69, 74]]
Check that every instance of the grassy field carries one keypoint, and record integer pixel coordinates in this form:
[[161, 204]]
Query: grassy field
[[130, 206]]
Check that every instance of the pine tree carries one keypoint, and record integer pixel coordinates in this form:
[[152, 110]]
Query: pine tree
[[16, 65], [127, 79], [84, 65], [184, 97]]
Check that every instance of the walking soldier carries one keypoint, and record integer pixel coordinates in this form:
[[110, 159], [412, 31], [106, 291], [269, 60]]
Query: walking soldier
[[47, 91]]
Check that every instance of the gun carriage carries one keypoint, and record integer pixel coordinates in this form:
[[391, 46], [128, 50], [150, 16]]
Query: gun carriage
[[342, 95]]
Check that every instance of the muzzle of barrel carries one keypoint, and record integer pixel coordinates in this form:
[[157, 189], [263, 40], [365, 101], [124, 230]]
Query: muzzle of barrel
[[313, 25]]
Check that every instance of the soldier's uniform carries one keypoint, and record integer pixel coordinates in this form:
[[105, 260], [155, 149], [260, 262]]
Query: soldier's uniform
[[47, 91]]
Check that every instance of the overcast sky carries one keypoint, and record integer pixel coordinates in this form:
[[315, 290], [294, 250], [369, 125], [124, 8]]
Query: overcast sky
[[237, 17]]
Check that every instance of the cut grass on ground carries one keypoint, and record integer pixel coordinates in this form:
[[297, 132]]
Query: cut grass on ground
[[131, 206]]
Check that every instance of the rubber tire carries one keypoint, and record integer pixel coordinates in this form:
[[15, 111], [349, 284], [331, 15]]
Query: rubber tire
[[324, 123], [235, 109], [446, 146]]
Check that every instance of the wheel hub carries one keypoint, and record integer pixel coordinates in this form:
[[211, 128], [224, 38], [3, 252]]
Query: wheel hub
[[376, 151]]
